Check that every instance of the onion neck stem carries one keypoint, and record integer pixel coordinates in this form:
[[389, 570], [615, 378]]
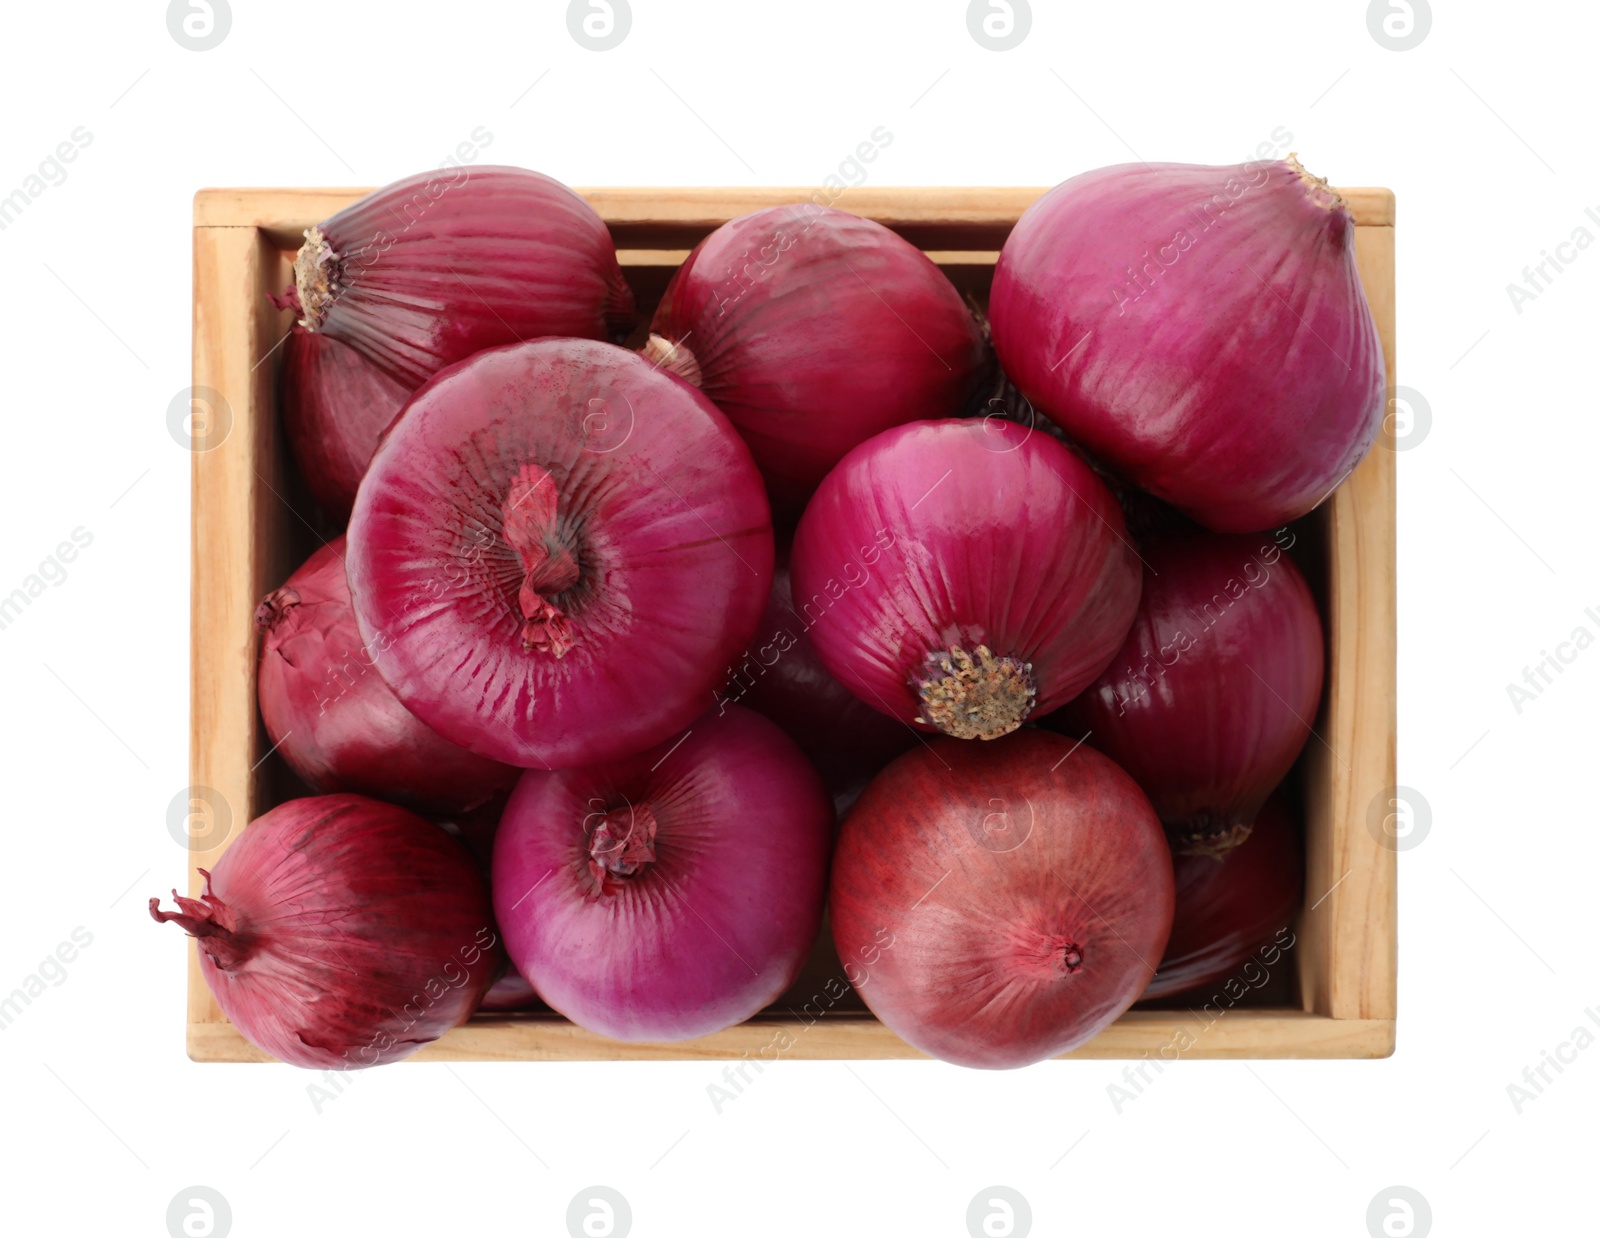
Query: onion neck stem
[[202, 919], [672, 357], [1212, 834]]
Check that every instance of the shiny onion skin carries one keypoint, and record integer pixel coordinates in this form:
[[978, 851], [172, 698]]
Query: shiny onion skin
[[336, 405], [669, 894], [782, 678], [999, 904], [332, 717], [964, 575], [1211, 698], [557, 552], [1201, 329], [338, 932], [435, 267], [1229, 906], [814, 329]]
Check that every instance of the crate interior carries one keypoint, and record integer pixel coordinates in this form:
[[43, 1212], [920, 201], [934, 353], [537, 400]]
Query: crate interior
[[293, 528]]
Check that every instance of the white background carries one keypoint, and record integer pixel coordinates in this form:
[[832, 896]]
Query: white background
[[1485, 131]]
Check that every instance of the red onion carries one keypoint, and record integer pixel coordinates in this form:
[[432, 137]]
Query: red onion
[[782, 677], [964, 575], [814, 329], [338, 932], [336, 404], [1211, 698], [431, 269], [1230, 905], [669, 894], [1202, 329], [998, 904], [557, 552], [332, 717]]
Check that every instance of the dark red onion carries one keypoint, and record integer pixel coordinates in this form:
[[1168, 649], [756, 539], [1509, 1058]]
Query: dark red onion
[[338, 932], [1201, 329], [814, 329], [336, 405], [1231, 905], [435, 267], [557, 552], [964, 575], [1001, 903], [331, 716], [781, 677], [1211, 698], [669, 894]]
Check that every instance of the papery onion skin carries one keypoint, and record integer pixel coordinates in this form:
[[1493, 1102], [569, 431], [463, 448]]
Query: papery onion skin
[[1212, 696], [1202, 329], [782, 678], [1229, 906], [336, 405], [435, 267], [814, 329], [975, 536], [562, 549], [673, 893], [332, 717], [999, 904], [338, 932]]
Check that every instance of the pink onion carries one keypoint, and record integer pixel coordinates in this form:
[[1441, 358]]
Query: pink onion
[[1211, 698], [1202, 329], [1230, 905], [338, 932], [336, 404], [1001, 903], [331, 716], [557, 552], [964, 575], [781, 677], [669, 894], [429, 270], [813, 329]]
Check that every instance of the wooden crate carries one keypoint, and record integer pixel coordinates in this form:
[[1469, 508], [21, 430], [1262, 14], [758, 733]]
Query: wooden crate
[[250, 529]]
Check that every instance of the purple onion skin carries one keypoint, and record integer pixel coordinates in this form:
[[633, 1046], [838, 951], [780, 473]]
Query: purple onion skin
[[726, 830], [1211, 698], [338, 932], [435, 267], [336, 405], [1241, 379], [1229, 906], [557, 553], [969, 534], [814, 329], [331, 716]]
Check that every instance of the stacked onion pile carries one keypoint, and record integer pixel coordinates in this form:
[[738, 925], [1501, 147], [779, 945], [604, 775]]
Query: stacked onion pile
[[579, 725]]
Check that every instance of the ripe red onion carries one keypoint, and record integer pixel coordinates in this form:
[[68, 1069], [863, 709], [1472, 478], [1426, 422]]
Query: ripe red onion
[[1202, 329], [433, 268], [964, 575], [669, 894], [1211, 698], [556, 553], [1230, 905], [336, 405], [814, 329], [338, 932], [781, 677], [333, 718], [1001, 903]]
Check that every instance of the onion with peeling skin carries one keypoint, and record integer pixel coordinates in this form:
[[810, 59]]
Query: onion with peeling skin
[[1211, 698], [964, 575], [557, 552], [435, 267], [814, 329], [336, 406], [1203, 330]]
